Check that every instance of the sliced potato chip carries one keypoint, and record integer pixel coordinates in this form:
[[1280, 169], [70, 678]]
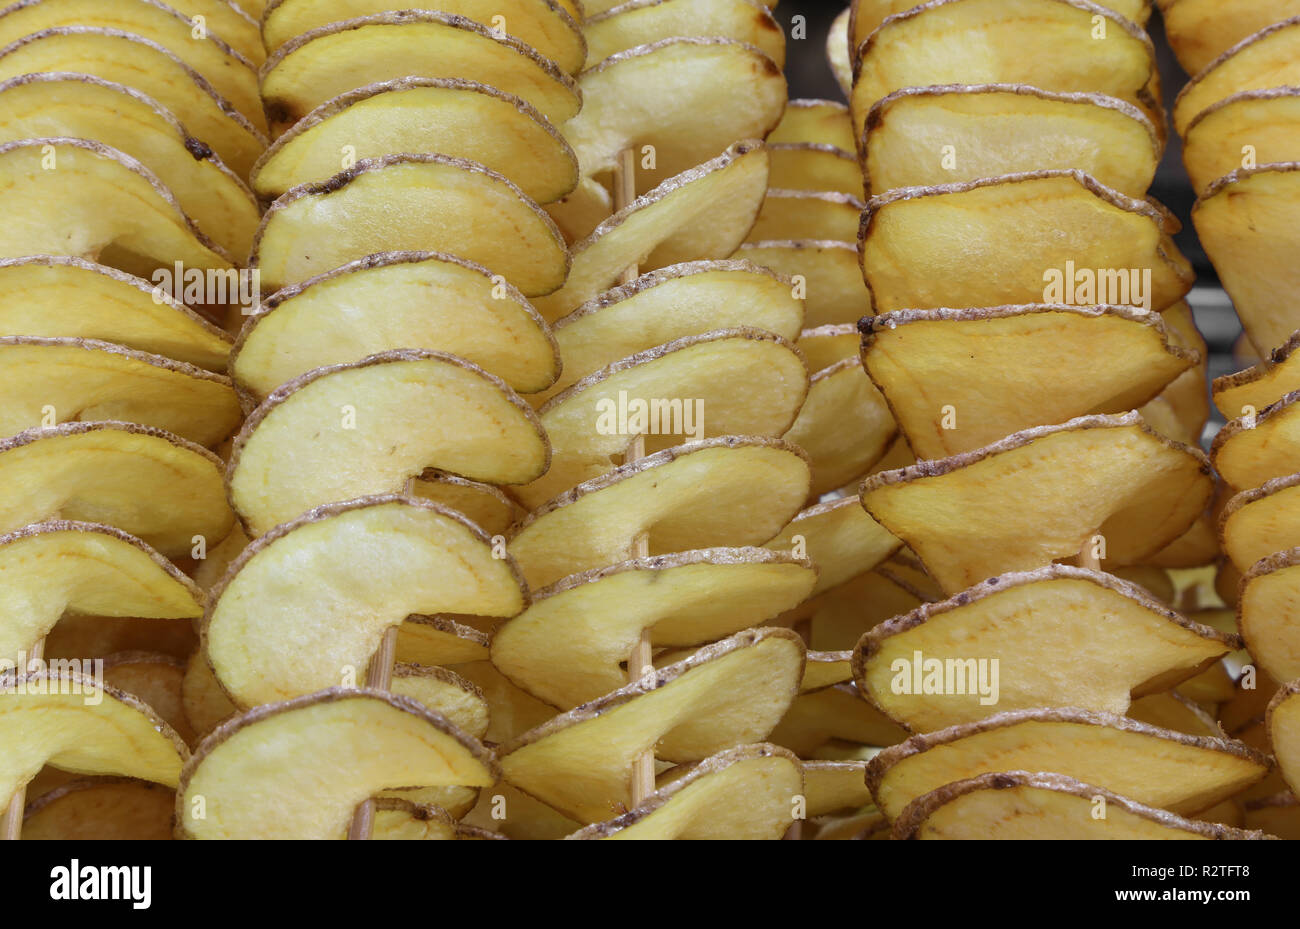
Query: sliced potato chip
[[1283, 722], [1278, 814], [1266, 611], [1257, 523], [229, 21], [1258, 386], [840, 539], [439, 640], [1268, 58], [1171, 710], [1249, 451], [644, 22], [806, 214], [835, 786], [839, 617], [156, 680], [837, 51], [511, 710], [1182, 409], [1259, 122], [825, 122], [825, 273], [826, 669], [513, 814], [836, 712], [812, 166], [828, 345], [102, 808], [485, 505], [1199, 31]]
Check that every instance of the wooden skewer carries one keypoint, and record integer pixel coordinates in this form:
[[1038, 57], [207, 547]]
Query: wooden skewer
[[13, 824]]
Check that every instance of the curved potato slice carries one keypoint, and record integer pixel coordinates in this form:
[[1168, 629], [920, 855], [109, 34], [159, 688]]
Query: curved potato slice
[[701, 805], [1278, 814], [1171, 710], [705, 212], [1199, 31], [81, 106], [835, 786], [1251, 450], [826, 669], [101, 808], [1019, 805], [95, 203], [1257, 523], [998, 370], [228, 21], [373, 562], [727, 382], [1166, 769], [952, 246], [1269, 58], [1283, 724], [231, 73], [484, 505], [156, 679], [825, 346], [726, 694], [1244, 221], [568, 647], [1266, 610], [147, 482], [845, 426], [1057, 45], [51, 568], [668, 304], [389, 301], [437, 641], [836, 712], [1261, 122], [298, 769], [82, 379], [644, 22], [542, 24], [367, 427], [1182, 409], [140, 63], [688, 120], [837, 51], [806, 214], [826, 273], [1056, 636], [838, 617], [729, 491], [840, 539], [965, 516], [320, 65], [1267, 382], [810, 166], [425, 201], [70, 721], [459, 118], [63, 297], [824, 122], [906, 134]]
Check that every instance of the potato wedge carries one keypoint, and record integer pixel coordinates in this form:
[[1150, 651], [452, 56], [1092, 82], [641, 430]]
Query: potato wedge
[[836, 712], [1254, 449], [374, 562], [1244, 129], [1199, 31], [840, 539], [1266, 611], [825, 122], [825, 272], [806, 214], [388, 417], [298, 769], [101, 808], [1283, 723], [1267, 58], [965, 516], [845, 426], [644, 22]]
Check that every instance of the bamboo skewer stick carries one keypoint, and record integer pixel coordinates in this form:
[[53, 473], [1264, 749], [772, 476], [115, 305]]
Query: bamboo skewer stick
[[13, 824]]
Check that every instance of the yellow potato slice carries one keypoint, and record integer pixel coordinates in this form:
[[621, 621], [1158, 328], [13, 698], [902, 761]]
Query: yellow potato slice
[[644, 22], [1268, 58], [1199, 31], [838, 51], [439, 640], [423, 201], [1265, 614], [825, 346], [839, 617], [825, 272], [483, 504], [1182, 409], [959, 379], [110, 209], [1283, 724], [453, 117], [1194, 773], [542, 24], [144, 481], [730, 491], [48, 569], [325, 62], [704, 212], [146, 66], [101, 808], [569, 645], [836, 712], [1171, 710], [825, 122], [369, 426], [512, 814], [910, 133], [811, 166], [1256, 387], [840, 539], [384, 302], [806, 214], [1056, 636], [826, 669], [1247, 128], [966, 518], [845, 426], [1252, 450], [374, 562], [512, 711], [726, 694], [398, 819], [994, 241], [156, 679], [835, 786], [86, 107], [1278, 814], [1257, 523], [228, 21], [298, 769], [701, 805], [1019, 805]]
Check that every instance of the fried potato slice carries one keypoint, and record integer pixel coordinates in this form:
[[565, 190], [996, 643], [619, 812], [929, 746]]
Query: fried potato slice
[[824, 122], [1278, 814], [1251, 450], [568, 647], [1170, 770], [1243, 222], [704, 212], [840, 539], [950, 246], [1060, 636], [422, 202], [65, 719], [81, 106], [1182, 409], [1268, 58], [1283, 724], [845, 425], [398, 819], [966, 519], [463, 119], [825, 272], [827, 345], [374, 562], [542, 24], [1265, 613], [524, 817], [147, 482], [68, 380], [368, 426], [826, 669], [110, 209], [325, 62], [48, 569], [156, 679], [959, 379], [1019, 805], [836, 712], [1171, 710], [699, 805], [101, 808], [233, 24], [511, 710], [731, 491], [839, 617], [1257, 523], [1256, 387], [687, 120], [810, 166], [644, 22], [835, 786], [838, 52], [1199, 31], [806, 214], [1057, 45], [383, 302], [1262, 123], [485, 505], [125, 58], [298, 769], [906, 134], [439, 641], [726, 694]]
